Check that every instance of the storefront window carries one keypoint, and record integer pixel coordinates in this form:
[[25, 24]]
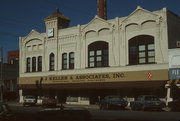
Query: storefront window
[[141, 50], [98, 54]]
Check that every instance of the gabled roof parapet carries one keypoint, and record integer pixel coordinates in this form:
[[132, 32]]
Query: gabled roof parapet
[[96, 19], [32, 35], [139, 8]]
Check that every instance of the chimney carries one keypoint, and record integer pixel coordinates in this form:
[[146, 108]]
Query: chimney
[[101, 10]]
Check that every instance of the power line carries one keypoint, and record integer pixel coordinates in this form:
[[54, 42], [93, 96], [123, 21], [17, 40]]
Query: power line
[[67, 7], [17, 22], [14, 23], [7, 34]]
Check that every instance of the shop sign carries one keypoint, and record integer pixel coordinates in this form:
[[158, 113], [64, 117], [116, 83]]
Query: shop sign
[[85, 77], [98, 77], [174, 73]]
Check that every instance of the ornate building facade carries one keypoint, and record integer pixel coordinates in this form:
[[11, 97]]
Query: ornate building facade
[[125, 55]]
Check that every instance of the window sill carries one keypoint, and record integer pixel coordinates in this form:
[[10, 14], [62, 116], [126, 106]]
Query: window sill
[[140, 64], [33, 71], [51, 70], [67, 69], [97, 67]]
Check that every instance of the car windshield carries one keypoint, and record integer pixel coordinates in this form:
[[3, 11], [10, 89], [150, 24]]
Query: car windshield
[[116, 98], [152, 98], [30, 97]]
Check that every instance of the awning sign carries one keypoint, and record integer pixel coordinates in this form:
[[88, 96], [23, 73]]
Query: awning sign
[[99, 77]]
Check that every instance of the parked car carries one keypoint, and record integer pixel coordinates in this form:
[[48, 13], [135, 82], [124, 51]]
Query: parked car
[[48, 101], [5, 113], [147, 102], [29, 100], [113, 102], [174, 105]]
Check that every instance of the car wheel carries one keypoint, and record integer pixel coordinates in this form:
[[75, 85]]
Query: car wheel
[[122, 108], [107, 106], [43, 105], [159, 109], [133, 107], [100, 107], [144, 108]]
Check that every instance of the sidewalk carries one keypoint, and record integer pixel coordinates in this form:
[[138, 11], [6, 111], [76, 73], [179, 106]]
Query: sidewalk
[[13, 103], [167, 109], [81, 106]]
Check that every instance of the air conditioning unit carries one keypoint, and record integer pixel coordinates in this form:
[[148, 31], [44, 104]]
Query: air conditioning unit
[[178, 44]]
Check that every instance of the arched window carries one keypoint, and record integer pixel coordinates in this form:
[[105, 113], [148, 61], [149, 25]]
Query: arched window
[[64, 61], [71, 60], [51, 62], [141, 50], [34, 64], [28, 64], [39, 63], [98, 55]]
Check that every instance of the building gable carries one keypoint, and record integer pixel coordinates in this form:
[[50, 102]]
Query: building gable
[[33, 35], [96, 24], [140, 16]]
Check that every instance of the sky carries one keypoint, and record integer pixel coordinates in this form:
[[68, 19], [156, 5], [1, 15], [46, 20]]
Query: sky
[[19, 17]]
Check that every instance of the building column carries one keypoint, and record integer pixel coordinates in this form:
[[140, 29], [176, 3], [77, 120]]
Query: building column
[[168, 96], [21, 96]]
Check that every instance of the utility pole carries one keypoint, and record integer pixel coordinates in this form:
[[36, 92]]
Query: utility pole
[[1, 72]]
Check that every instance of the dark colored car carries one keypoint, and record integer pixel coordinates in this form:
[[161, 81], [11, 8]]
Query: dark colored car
[[5, 113], [174, 105], [147, 102], [66, 114], [113, 102], [48, 101]]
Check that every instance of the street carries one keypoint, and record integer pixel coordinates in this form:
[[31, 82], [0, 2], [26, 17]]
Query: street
[[135, 115], [32, 114]]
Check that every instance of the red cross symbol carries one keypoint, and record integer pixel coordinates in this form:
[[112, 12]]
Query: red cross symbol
[[149, 75]]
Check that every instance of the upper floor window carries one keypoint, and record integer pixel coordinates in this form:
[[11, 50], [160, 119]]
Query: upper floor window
[[28, 64], [98, 54], [40, 63], [64, 61], [71, 60], [33, 64], [141, 50], [51, 62]]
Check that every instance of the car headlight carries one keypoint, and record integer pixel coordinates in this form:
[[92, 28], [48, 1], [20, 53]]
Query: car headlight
[[126, 103]]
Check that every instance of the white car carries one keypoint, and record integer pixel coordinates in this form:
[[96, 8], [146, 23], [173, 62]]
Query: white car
[[29, 100]]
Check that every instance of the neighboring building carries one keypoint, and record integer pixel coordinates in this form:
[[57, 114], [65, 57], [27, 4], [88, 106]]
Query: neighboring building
[[126, 56], [13, 57], [174, 74], [9, 74]]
